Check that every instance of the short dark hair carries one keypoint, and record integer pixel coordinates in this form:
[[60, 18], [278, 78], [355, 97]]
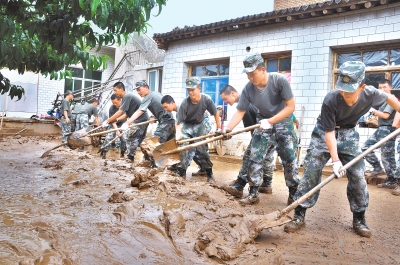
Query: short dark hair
[[95, 100], [261, 65], [114, 96], [119, 85], [167, 99], [68, 92], [227, 89], [385, 81]]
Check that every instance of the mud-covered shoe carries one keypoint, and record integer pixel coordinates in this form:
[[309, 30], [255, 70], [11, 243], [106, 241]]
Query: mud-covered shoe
[[173, 167], [130, 158], [292, 192], [377, 172], [210, 176], [396, 191], [103, 154], [181, 172], [390, 183], [266, 186], [298, 221], [359, 225], [122, 154], [236, 189], [252, 197], [199, 173]]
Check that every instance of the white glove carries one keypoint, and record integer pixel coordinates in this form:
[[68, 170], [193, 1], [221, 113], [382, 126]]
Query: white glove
[[104, 124], [178, 136], [124, 126], [218, 131], [338, 169], [265, 125]]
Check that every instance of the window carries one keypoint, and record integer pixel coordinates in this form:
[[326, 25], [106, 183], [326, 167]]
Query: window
[[81, 80], [155, 80], [279, 62], [209, 69], [382, 63]]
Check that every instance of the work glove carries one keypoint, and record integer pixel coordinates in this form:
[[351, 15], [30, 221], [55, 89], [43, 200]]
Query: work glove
[[104, 124], [124, 127], [225, 133], [178, 136], [338, 169], [265, 125], [218, 131]]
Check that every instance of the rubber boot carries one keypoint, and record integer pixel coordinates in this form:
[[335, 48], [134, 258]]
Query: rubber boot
[[252, 197], [173, 167], [103, 154], [390, 183], [292, 192], [298, 221], [396, 191], [199, 173], [130, 158], [122, 154], [266, 186], [210, 176], [181, 172], [236, 189], [378, 170], [359, 225]]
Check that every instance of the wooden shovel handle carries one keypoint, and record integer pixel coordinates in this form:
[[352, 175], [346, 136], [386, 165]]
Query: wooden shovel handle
[[196, 138], [118, 129], [331, 177], [190, 146]]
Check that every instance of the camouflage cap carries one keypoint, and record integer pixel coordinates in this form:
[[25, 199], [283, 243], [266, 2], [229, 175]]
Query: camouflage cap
[[193, 82], [351, 74], [68, 92], [251, 62], [141, 83]]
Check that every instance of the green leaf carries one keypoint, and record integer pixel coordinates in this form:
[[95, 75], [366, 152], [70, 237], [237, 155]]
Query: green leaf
[[94, 5], [82, 4]]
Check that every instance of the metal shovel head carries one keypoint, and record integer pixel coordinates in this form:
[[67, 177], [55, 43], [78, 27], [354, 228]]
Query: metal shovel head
[[162, 160], [149, 144], [273, 219], [78, 139]]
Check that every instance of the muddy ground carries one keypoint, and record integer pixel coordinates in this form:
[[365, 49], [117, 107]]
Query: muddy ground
[[75, 208]]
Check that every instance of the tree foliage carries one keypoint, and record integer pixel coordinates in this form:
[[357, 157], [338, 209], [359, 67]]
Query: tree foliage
[[46, 35]]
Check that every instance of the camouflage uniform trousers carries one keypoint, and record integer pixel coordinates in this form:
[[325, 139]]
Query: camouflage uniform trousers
[[82, 121], [73, 122], [318, 155], [65, 129], [387, 151], [134, 137], [208, 128], [192, 131], [262, 145], [165, 131], [109, 137]]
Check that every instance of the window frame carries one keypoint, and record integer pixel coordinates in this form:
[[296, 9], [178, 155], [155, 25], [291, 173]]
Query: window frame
[[277, 56], [82, 91], [206, 63]]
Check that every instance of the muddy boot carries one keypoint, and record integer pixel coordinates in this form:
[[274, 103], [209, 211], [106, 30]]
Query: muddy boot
[[390, 183], [153, 163], [252, 197], [298, 221], [181, 172], [377, 172], [359, 225], [210, 176], [122, 154], [130, 158], [292, 192], [103, 154], [173, 167], [199, 173], [396, 191], [236, 189], [266, 186]]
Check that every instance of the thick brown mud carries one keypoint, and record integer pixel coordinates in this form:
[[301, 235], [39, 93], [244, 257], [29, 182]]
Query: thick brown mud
[[74, 208]]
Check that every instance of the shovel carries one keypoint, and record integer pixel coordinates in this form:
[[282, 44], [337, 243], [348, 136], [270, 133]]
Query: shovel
[[168, 153], [118, 129], [278, 218], [92, 130]]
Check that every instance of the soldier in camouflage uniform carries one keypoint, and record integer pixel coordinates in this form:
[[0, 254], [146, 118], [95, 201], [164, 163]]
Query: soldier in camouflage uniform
[[334, 137], [231, 96], [66, 114], [272, 95], [385, 119], [85, 114], [116, 103], [77, 108], [190, 124], [152, 100], [129, 105]]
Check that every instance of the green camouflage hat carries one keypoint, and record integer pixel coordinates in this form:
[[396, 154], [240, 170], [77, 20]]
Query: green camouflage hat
[[251, 62], [193, 82], [141, 83], [351, 74]]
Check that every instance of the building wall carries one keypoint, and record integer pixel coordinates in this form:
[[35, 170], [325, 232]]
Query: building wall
[[48, 89], [309, 41], [282, 4]]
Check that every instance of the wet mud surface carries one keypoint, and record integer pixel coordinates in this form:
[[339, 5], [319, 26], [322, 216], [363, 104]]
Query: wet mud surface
[[74, 208]]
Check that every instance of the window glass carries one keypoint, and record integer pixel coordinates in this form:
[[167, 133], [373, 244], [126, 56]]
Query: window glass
[[272, 66], [396, 80], [395, 57], [76, 72], [211, 70], [68, 85], [373, 79], [197, 71], [95, 75], [152, 80], [344, 57], [77, 84], [375, 58], [285, 64], [224, 69]]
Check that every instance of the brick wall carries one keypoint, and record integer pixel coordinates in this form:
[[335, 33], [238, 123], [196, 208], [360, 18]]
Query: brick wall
[[282, 4], [310, 43]]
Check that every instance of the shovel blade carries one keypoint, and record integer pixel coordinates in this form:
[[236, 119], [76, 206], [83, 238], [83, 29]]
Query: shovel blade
[[78, 139], [270, 220], [149, 144], [162, 160]]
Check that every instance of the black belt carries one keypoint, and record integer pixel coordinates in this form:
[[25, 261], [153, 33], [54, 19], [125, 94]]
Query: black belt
[[344, 127]]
